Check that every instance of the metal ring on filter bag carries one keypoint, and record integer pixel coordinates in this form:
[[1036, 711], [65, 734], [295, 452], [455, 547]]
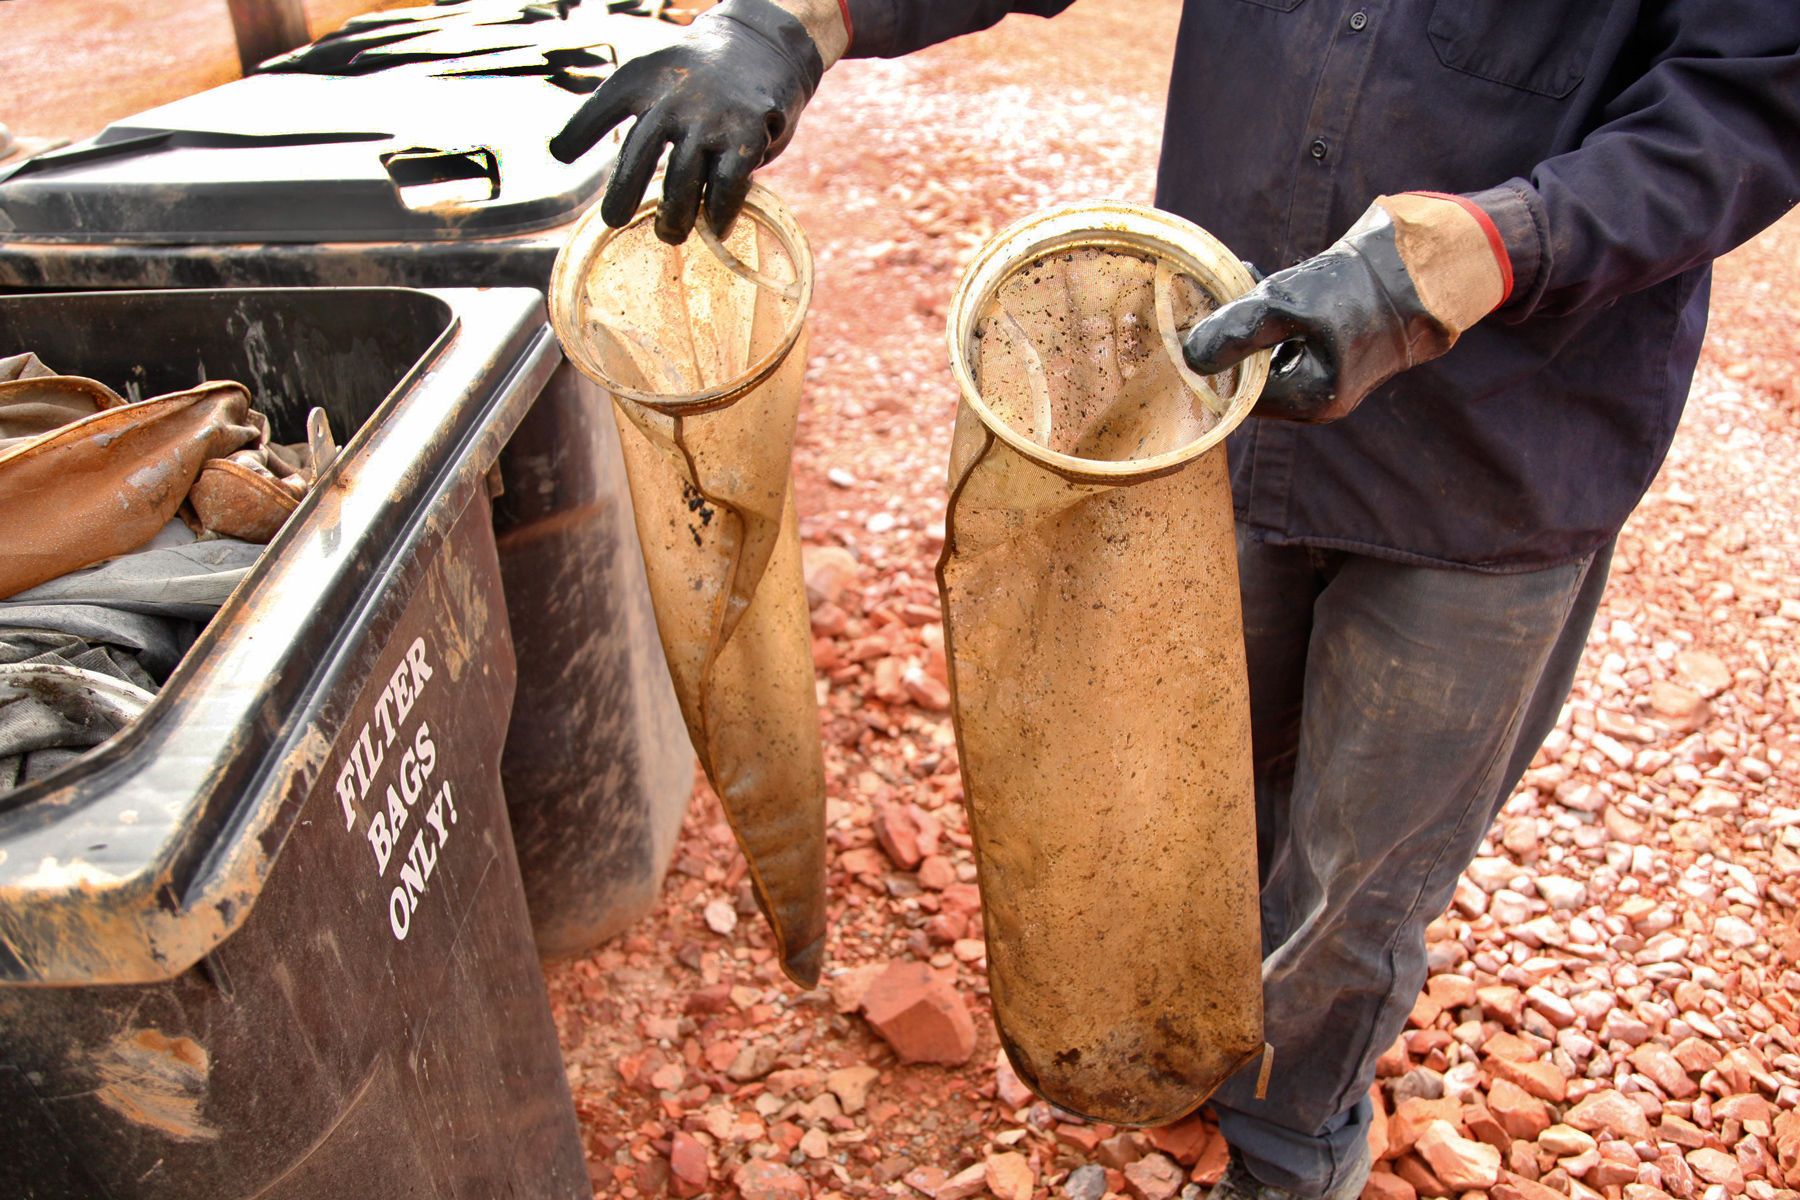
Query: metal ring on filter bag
[[568, 298], [1129, 228]]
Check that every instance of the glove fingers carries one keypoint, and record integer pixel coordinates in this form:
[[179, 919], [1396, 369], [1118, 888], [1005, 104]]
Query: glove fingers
[[612, 103], [631, 173], [681, 192], [727, 185], [1246, 325], [1304, 390]]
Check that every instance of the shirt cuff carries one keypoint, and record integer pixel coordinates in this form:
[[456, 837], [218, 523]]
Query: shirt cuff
[[1518, 220]]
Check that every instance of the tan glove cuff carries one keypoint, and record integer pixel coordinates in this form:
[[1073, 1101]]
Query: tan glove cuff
[[826, 21], [1454, 254]]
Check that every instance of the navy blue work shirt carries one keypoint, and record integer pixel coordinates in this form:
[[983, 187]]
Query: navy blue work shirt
[[1619, 145]]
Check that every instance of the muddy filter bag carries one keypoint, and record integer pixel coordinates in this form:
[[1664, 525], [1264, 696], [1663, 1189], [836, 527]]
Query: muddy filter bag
[[702, 347], [1089, 581]]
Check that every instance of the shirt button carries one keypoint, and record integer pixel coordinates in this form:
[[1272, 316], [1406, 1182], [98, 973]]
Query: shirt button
[[1359, 21], [1319, 148]]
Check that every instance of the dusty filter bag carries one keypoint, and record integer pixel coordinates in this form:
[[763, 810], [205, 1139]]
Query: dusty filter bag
[[702, 347], [1089, 579]]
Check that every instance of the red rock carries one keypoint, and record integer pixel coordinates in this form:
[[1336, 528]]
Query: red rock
[[1483, 1126], [926, 691], [828, 570], [1451, 991], [1695, 1055], [1413, 1170], [964, 898], [897, 829], [1514, 1186], [1383, 1186], [1412, 1116], [1511, 1047], [936, 873], [1425, 1011], [761, 1179], [848, 989], [652, 1178], [1608, 1111], [864, 862], [1520, 1113], [1378, 1124], [1716, 1166], [1183, 1141], [688, 1171], [1009, 1176], [1393, 1061], [1079, 1137], [1502, 1003], [1121, 1150], [1681, 707], [1616, 1168], [920, 1014], [1751, 1110], [926, 1179], [1211, 1166], [1541, 1079], [946, 929], [1566, 1141], [965, 1184], [1683, 1133], [1008, 1086], [1705, 673], [1663, 1069], [1786, 1138], [1459, 1161], [1152, 1177], [851, 1086]]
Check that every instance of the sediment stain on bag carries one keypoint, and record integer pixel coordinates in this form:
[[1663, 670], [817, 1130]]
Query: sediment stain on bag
[[1092, 614]]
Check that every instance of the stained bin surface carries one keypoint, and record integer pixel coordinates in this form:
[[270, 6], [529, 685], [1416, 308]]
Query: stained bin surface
[[410, 148], [271, 940]]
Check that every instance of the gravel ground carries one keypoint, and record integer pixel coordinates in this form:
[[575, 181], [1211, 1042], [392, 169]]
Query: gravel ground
[[1613, 1005], [1614, 1008]]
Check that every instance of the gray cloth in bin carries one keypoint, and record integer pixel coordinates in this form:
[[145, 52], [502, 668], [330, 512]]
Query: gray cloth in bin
[[50, 713], [81, 655]]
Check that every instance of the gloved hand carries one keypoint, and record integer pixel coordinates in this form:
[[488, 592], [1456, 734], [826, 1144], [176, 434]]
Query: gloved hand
[[1397, 290], [726, 98]]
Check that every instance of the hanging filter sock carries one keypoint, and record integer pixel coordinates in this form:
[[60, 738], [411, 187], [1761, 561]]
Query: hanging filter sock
[[1089, 580], [702, 347]]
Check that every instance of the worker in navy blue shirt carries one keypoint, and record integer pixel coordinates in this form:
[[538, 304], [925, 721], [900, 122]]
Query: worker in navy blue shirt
[[1490, 225]]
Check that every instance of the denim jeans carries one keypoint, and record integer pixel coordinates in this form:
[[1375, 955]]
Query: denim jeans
[[1393, 709]]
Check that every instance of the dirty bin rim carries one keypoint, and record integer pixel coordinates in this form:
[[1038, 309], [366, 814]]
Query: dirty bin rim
[[1103, 224], [578, 259]]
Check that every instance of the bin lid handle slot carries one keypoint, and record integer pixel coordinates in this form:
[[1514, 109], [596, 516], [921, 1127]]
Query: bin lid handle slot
[[426, 177]]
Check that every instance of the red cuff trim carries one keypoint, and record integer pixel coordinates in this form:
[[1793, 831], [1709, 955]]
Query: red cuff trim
[[1495, 242], [850, 35]]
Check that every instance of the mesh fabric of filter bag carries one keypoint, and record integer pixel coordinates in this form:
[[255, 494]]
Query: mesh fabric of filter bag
[[1089, 579], [703, 348]]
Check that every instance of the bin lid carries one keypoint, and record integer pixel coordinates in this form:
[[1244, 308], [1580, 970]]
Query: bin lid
[[416, 124]]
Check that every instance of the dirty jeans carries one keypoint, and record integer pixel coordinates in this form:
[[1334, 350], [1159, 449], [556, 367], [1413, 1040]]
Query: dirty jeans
[[1393, 709]]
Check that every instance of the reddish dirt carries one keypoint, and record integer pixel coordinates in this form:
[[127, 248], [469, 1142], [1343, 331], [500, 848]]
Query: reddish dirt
[[1660, 821], [67, 67]]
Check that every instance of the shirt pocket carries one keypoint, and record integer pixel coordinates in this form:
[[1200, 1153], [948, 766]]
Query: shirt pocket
[[1539, 46], [1277, 5]]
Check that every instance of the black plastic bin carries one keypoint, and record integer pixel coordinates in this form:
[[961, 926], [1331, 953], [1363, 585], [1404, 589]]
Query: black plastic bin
[[213, 980], [410, 148]]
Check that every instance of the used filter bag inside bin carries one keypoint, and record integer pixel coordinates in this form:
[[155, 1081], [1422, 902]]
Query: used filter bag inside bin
[[703, 347], [1089, 580]]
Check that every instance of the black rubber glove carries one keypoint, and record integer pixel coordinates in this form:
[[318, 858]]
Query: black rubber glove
[[1346, 321], [726, 98]]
